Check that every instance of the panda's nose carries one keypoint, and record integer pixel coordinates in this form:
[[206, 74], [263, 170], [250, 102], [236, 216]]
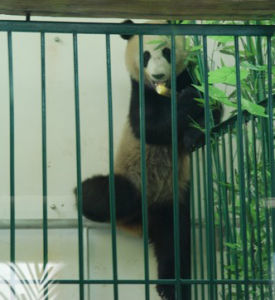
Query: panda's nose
[[158, 76]]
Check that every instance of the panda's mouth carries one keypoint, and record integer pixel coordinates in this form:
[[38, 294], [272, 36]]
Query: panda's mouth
[[165, 83], [162, 87]]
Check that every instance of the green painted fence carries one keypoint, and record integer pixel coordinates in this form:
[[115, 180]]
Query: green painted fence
[[233, 174]]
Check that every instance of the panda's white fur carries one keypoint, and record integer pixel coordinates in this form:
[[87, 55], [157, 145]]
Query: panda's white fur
[[158, 165]]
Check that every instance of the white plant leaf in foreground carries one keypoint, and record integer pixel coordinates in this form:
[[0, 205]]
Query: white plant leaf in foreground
[[28, 281]]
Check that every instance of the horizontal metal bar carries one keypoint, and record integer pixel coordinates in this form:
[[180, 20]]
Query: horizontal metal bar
[[156, 281], [52, 224], [152, 29], [59, 224]]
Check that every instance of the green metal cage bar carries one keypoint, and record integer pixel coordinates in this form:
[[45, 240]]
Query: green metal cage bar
[[200, 222], [193, 238], [255, 180], [241, 163], [78, 168], [156, 281], [234, 222], [143, 170], [145, 29], [264, 174], [249, 200], [111, 166], [271, 134], [44, 155], [220, 207], [175, 168], [228, 225], [44, 151], [12, 166], [211, 265], [210, 155], [203, 154]]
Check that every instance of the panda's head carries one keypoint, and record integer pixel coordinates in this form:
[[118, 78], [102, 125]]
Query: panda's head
[[156, 58]]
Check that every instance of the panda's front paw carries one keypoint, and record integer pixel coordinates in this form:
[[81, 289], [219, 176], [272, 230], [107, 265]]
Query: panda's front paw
[[188, 144], [95, 198], [192, 138]]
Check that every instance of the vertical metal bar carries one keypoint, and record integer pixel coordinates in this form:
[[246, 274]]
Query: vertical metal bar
[[250, 226], [233, 197], [220, 208], [44, 154], [264, 194], [270, 134], [200, 222], [143, 170], [175, 168], [12, 171], [111, 166], [227, 217], [255, 182], [78, 166], [88, 261], [261, 79], [192, 199], [271, 138], [205, 198], [209, 179], [241, 166]]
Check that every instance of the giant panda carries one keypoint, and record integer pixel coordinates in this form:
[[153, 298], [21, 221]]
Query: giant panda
[[159, 185]]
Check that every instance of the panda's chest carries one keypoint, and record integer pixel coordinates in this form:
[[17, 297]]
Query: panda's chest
[[160, 173], [159, 184]]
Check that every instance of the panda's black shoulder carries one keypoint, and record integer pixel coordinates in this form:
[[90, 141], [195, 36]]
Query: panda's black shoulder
[[184, 79]]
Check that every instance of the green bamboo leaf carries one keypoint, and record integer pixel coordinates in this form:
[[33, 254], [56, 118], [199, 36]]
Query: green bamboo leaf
[[222, 39], [164, 43], [226, 75], [253, 108], [196, 48], [230, 267], [233, 245], [217, 95], [159, 42], [153, 42], [247, 65]]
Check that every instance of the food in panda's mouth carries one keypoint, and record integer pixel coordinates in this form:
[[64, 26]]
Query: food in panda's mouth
[[162, 89]]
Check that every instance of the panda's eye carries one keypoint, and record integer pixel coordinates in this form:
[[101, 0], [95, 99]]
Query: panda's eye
[[146, 57], [167, 54]]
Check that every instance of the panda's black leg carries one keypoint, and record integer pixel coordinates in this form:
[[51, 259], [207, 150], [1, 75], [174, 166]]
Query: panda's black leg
[[96, 203], [161, 231]]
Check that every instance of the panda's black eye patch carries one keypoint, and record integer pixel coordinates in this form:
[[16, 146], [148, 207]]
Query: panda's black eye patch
[[146, 57], [167, 54]]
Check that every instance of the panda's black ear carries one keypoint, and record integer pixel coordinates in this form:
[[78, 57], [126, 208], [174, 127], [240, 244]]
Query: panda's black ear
[[127, 36]]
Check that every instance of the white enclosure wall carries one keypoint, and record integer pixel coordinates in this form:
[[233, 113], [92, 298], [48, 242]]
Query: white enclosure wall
[[61, 156]]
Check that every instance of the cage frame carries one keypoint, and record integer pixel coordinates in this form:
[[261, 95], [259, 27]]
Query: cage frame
[[172, 30]]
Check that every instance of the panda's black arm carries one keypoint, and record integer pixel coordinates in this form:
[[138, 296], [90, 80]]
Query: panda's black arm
[[188, 108], [158, 115], [194, 111]]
